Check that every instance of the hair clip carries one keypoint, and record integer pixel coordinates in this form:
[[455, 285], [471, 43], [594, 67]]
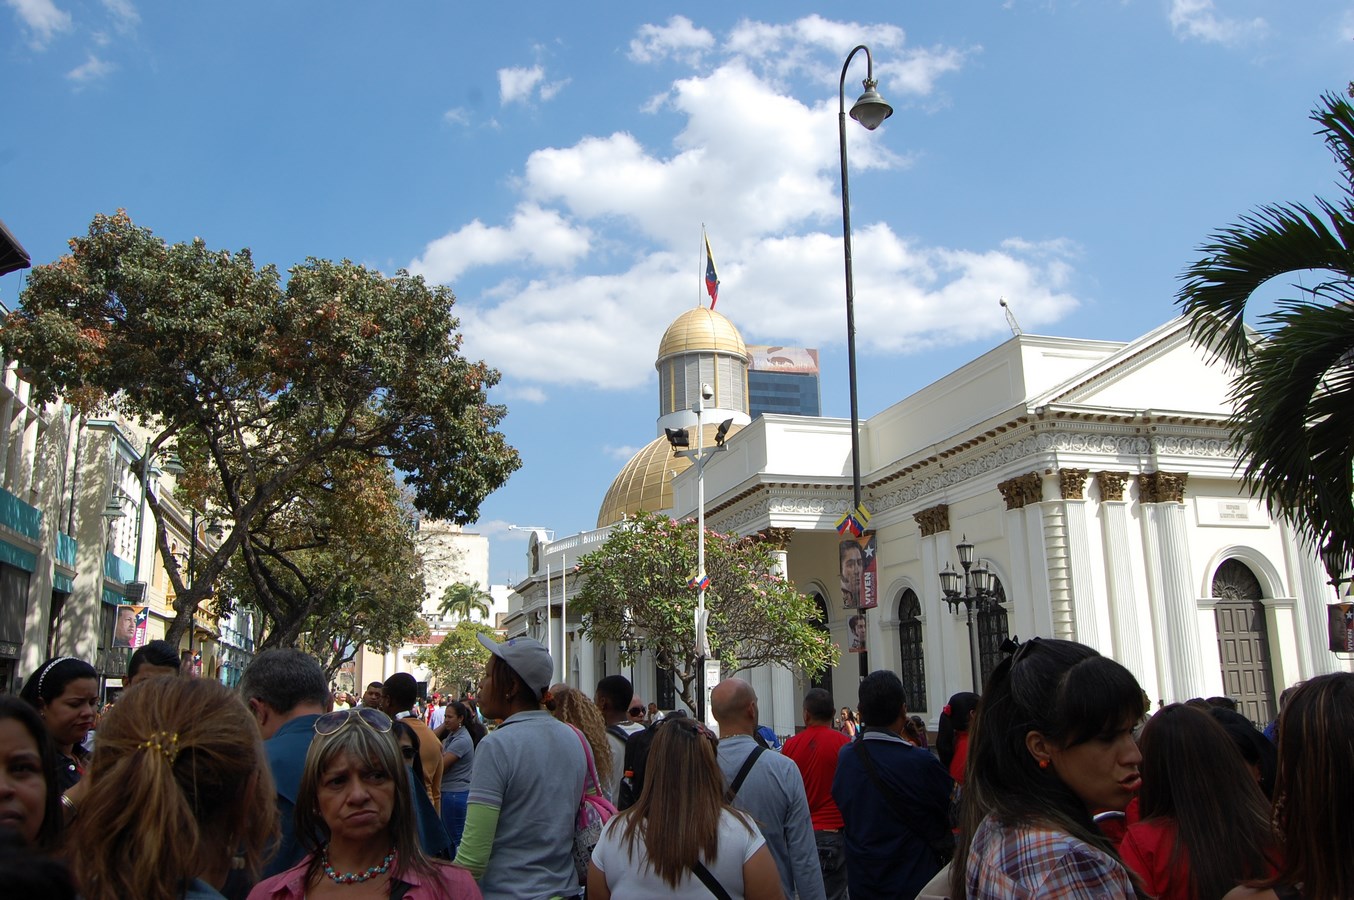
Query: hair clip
[[163, 742]]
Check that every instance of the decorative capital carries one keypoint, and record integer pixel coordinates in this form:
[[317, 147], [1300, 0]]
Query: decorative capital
[[934, 520], [1162, 487], [1072, 483], [1022, 490], [1112, 484], [777, 537]]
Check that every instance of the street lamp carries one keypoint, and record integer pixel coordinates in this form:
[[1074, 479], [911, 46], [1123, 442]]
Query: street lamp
[[681, 446], [869, 110], [978, 594]]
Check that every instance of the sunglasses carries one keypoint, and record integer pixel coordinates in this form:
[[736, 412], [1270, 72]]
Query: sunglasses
[[331, 722], [636, 710]]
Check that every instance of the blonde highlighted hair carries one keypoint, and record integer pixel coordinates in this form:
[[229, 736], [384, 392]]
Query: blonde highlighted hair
[[178, 785], [575, 708]]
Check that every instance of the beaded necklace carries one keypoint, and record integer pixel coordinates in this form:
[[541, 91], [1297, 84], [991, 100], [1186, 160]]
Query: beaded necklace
[[355, 877]]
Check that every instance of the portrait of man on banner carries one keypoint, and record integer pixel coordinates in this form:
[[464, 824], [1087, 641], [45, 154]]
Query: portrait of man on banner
[[124, 628], [856, 643], [1341, 627], [859, 568]]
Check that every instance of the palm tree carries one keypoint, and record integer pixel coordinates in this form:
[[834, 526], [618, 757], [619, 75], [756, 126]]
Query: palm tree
[[1294, 388], [460, 600]]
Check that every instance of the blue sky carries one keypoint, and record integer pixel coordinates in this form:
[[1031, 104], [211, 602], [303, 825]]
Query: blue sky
[[554, 164]]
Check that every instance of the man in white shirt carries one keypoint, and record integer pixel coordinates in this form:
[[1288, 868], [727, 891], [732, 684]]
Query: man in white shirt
[[614, 696]]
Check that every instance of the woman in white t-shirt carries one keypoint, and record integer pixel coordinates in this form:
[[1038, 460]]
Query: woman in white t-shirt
[[681, 831]]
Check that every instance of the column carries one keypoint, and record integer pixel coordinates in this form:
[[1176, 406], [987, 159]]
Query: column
[[1125, 623], [1031, 614], [1313, 592], [942, 663], [781, 710], [1168, 565]]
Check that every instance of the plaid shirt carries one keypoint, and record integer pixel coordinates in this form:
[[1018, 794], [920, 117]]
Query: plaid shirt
[[1022, 863]]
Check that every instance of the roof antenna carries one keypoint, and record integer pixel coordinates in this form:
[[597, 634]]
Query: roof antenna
[[1010, 317]]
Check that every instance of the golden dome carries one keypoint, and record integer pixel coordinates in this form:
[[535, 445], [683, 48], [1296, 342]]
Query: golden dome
[[645, 483], [700, 329]]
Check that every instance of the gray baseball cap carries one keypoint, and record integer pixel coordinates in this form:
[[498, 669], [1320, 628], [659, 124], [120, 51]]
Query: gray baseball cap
[[527, 657]]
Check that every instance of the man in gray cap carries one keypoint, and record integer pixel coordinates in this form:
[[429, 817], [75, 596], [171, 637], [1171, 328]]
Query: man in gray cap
[[526, 783]]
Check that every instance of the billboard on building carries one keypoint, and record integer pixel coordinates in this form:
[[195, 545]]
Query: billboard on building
[[790, 360], [130, 627], [859, 569]]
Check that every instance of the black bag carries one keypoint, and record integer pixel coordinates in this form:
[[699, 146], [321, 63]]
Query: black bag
[[636, 758], [942, 847]]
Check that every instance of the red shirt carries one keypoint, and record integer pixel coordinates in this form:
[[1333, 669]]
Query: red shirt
[[814, 750]]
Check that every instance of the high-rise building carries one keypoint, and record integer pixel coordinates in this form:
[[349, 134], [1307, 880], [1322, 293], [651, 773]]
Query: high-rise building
[[783, 380]]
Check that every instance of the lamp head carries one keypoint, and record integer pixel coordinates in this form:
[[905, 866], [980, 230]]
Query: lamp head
[[870, 109], [678, 438], [949, 581], [722, 433], [965, 550]]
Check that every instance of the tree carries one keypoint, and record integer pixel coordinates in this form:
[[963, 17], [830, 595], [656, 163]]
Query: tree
[[635, 592], [1294, 387], [255, 384], [456, 662], [460, 600]]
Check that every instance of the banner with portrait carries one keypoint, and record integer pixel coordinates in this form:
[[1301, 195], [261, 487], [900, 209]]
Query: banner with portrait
[[1340, 625], [856, 631], [859, 570], [130, 627]]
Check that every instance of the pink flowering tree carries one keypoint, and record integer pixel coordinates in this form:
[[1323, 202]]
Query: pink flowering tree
[[635, 593]]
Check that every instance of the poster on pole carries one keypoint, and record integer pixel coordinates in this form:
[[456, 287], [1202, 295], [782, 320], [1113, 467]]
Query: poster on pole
[[1340, 625], [130, 627], [859, 567], [856, 642]]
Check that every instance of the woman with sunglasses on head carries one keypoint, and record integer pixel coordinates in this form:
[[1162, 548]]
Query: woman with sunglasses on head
[[682, 837], [1205, 824], [355, 817], [527, 782], [1313, 795], [1053, 746], [179, 794]]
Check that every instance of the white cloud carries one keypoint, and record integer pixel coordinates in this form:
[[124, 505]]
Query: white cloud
[[42, 18], [90, 71], [515, 85], [678, 39], [759, 166], [542, 236], [525, 393], [624, 452], [1199, 19], [125, 15], [457, 116]]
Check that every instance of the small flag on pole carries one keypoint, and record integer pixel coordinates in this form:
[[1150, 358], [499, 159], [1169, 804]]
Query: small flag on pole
[[854, 521], [711, 276], [698, 584]]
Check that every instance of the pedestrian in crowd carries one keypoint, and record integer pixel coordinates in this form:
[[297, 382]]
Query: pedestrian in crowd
[[637, 712], [408, 741], [1053, 747], [655, 715], [613, 699], [65, 692], [178, 792], [814, 751], [768, 787], [285, 690], [30, 807], [916, 732], [374, 697], [952, 733], [682, 830], [437, 711], [400, 692], [894, 798], [573, 707], [850, 725], [356, 817], [152, 660], [527, 782], [458, 758], [340, 701], [1314, 798], [1204, 824]]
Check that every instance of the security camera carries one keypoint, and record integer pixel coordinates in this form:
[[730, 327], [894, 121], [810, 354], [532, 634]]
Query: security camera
[[707, 392]]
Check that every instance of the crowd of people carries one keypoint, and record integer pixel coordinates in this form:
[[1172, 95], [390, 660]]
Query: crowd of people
[[1055, 782]]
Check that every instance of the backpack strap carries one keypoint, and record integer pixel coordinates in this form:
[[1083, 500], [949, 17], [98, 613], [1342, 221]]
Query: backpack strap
[[619, 732], [743, 772], [710, 881]]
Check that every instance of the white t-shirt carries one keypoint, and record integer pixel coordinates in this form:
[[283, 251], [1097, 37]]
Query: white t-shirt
[[631, 877], [439, 715], [613, 786]]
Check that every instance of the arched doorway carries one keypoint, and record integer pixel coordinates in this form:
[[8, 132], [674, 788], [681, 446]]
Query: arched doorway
[[911, 664], [992, 632], [823, 677], [1243, 640]]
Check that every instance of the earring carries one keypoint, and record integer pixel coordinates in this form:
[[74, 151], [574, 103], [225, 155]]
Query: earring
[[1043, 764]]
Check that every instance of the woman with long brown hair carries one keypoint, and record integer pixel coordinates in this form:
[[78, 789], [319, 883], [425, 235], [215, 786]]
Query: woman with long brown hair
[[1314, 794], [355, 817], [179, 792], [682, 832], [573, 707], [1205, 824]]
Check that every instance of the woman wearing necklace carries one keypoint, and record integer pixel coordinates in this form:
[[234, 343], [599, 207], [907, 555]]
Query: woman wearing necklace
[[355, 816]]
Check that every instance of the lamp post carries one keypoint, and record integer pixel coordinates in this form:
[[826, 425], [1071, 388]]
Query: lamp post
[[869, 110], [977, 594], [681, 446]]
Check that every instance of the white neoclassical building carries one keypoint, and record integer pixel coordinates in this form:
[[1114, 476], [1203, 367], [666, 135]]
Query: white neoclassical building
[[1094, 478]]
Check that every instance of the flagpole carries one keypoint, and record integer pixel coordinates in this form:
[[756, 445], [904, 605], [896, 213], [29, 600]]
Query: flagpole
[[700, 267]]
